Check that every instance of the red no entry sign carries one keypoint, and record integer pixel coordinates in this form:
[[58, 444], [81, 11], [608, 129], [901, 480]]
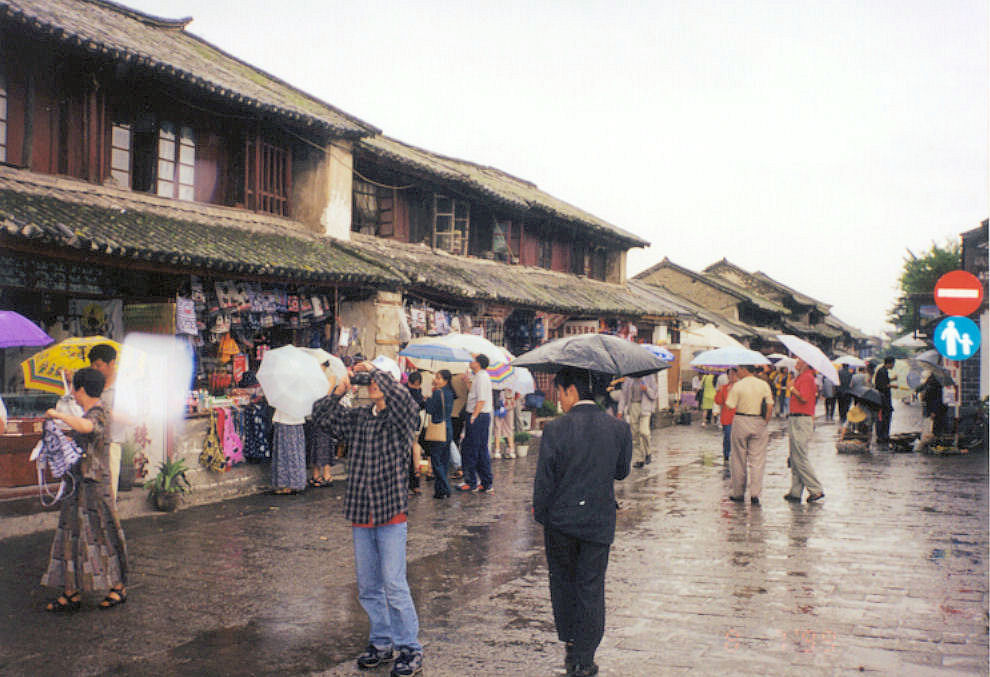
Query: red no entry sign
[[958, 293]]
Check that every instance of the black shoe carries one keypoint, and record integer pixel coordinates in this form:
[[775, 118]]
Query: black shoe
[[737, 499], [816, 497], [638, 464], [792, 498], [649, 459], [584, 670], [755, 500], [569, 662], [373, 657]]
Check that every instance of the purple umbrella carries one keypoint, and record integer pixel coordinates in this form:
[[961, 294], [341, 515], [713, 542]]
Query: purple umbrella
[[17, 330]]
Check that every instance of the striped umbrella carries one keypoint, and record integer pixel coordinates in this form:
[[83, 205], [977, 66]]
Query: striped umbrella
[[499, 373]]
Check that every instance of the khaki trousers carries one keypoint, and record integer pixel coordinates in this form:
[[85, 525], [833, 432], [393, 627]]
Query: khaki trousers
[[114, 449], [799, 431], [639, 425], [749, 455]]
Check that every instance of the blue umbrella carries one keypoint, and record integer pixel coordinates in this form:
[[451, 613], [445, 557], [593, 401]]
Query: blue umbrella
[[436, 351], [659, 351], [728, 357], [17, 330]]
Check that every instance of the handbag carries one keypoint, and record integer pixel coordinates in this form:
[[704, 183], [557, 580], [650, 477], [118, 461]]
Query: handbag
[[436, 432]]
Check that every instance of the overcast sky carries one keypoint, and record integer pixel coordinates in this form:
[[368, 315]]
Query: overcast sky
[[815, 140]]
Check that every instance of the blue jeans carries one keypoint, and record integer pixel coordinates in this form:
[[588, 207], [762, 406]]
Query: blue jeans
[[474, 453], [726, 441], [440, 457], [380, 559]]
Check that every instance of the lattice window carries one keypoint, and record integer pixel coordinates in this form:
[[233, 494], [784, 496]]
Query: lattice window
[[373, 209], [268, 177], [451, 224], [545, 254]]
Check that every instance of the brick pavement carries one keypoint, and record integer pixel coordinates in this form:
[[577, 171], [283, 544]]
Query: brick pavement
[[888, 575]]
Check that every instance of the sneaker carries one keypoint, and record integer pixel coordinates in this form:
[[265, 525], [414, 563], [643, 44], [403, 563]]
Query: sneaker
[[489, 490], [511, 454], [465, 487], [373, 657], [585, 670], [792, 498], [409, 662], [497, 455], [816, 497]]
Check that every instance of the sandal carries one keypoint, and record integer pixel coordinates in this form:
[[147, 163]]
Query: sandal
[[315, 482], [114, 597], [326, 482], [65, 603]]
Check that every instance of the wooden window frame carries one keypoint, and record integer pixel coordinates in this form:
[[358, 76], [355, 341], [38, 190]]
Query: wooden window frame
[[267, 175], [455, 238]]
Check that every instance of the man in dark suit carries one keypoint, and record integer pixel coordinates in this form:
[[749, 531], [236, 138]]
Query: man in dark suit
[[581, 455]]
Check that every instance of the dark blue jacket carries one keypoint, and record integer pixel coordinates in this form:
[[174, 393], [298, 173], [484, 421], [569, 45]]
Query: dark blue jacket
[[581, 455], [440, 406]]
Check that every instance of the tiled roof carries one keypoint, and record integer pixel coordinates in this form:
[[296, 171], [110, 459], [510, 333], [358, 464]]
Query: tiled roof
[[122, 34], [483, 280], [853, 332], [719, 283], [822, 330], [764, 284], [491, 183], [690, 310], [116, 223]]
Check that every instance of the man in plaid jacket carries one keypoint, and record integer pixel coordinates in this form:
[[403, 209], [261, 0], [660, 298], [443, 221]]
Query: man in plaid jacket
[[379, 440]]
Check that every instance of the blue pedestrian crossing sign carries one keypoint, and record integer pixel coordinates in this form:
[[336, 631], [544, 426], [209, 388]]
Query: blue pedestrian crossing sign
[[957, 338]]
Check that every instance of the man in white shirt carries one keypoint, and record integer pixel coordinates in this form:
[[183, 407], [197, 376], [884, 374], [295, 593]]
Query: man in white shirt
[[475, 460]]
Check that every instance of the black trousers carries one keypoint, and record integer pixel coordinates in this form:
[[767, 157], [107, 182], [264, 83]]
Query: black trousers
[[577, 591], [844, 402]]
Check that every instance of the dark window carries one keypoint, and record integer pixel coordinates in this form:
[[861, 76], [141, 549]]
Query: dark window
[[373, 209], [578, 250], [545, 256], [598, 264]]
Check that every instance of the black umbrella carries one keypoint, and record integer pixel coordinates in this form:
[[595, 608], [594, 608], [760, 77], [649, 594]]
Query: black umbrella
[[595, 352], [868, 395]]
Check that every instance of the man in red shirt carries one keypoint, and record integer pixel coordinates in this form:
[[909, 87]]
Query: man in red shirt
[[800, 426]]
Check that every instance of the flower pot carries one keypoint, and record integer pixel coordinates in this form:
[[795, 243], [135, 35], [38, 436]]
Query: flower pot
[[168, 502], [522, 450]]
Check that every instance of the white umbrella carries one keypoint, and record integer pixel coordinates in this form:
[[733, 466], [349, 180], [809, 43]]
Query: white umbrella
[[475, 345], [334, 363], [811, 355], [291, 380], [850, 360], [786, 363], [773, 357], [388, 365], [709, 335], [728, 357], [909, 341], [521, 381]]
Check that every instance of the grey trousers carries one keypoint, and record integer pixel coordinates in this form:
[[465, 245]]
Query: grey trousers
[[799, 431], [749, 455]]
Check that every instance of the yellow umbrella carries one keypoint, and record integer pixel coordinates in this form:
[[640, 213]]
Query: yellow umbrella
[[43, 371]]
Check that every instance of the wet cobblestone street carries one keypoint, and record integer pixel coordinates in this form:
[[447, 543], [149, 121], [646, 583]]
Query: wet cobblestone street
[[888, 575]]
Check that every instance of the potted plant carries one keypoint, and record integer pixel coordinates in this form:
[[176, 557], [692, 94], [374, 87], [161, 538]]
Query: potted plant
[[522, 443], [125, 481], [169, 484]]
